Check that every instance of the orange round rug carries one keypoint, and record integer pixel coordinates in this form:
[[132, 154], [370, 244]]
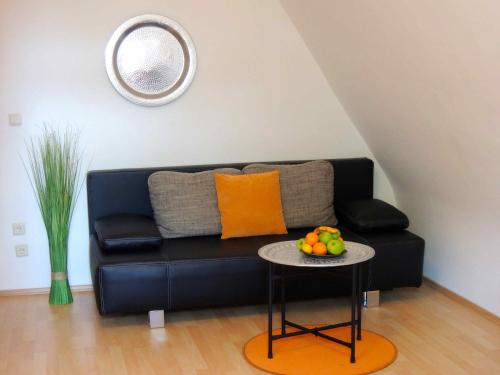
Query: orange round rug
[[308, 354]]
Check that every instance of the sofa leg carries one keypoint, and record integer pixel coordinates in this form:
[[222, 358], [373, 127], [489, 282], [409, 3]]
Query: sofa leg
[[371, 298], [156, 319]]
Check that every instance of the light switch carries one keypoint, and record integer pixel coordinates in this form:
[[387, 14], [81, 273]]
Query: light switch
[[15, 119]]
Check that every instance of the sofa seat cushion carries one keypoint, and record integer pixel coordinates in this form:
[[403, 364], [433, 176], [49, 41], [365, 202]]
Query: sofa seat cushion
[[212, 247], [127, 232], [208, 247], [201, 247]]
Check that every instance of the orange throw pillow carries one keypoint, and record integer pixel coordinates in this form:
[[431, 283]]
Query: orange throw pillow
[[250, 205]]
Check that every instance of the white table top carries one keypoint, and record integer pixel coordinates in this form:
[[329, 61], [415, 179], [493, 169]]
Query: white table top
[[286, 253]]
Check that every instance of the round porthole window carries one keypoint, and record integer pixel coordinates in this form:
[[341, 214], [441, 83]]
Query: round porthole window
[[150, 60]]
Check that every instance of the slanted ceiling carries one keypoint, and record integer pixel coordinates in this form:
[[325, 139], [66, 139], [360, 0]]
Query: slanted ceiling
[[421, 81]]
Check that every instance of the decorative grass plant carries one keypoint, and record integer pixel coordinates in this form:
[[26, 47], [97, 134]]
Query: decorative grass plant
[[53, 165]]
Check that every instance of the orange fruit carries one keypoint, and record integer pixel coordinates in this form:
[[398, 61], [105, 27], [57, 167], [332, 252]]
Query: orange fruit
[[312, 238], [319, 248]]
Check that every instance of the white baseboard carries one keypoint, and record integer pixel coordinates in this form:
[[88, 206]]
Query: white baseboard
[[32, 291]]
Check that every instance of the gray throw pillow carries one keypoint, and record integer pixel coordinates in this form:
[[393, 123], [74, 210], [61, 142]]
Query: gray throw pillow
[[306, 192], [185, 204]]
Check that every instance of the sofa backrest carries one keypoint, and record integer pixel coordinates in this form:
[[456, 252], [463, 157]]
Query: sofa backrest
[[120, 191]]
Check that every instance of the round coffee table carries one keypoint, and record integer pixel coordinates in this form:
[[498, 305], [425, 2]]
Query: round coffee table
[[285, 254]]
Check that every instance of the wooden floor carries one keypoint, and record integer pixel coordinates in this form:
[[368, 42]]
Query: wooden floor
[[433, 334]]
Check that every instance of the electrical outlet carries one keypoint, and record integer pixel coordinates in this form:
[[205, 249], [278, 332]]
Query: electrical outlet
[[15, 119], [18, 229], [21, 250]]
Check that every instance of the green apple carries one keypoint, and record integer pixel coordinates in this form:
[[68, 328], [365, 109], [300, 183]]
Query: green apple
[[335, 247], [325, 237], [335, 235], [300, 242]]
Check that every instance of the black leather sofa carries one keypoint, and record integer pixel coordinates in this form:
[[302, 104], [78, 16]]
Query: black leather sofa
[[198, 272]]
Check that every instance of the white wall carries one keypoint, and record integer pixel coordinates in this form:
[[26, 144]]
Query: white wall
[[421, 81], [258, 95]]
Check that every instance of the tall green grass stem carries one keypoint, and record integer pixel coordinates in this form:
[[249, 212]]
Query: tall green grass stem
[[53, 165]]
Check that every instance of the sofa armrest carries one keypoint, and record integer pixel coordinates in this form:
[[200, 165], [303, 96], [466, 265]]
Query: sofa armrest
[[370, 214], [127, 232]]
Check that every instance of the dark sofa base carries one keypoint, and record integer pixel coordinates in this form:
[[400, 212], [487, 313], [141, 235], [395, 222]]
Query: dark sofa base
[[399, 259], [228, 272]]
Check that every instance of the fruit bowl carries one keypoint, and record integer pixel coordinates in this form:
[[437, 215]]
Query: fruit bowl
[[323, 242], [326, 256]]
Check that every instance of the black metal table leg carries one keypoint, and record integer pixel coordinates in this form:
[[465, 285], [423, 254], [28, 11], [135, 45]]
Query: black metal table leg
[[275, 255], [270, 314], [283, 329], [353, 311], [360, 297]]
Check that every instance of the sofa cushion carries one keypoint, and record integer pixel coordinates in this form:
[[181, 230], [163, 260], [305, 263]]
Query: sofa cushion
[[212, 247], [185, 204], [208, 247], [127, 232], [250, 205], [306, 192], [371, 214]]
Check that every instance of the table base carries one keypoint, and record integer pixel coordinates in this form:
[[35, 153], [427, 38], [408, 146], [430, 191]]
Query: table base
[[354, 323]]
